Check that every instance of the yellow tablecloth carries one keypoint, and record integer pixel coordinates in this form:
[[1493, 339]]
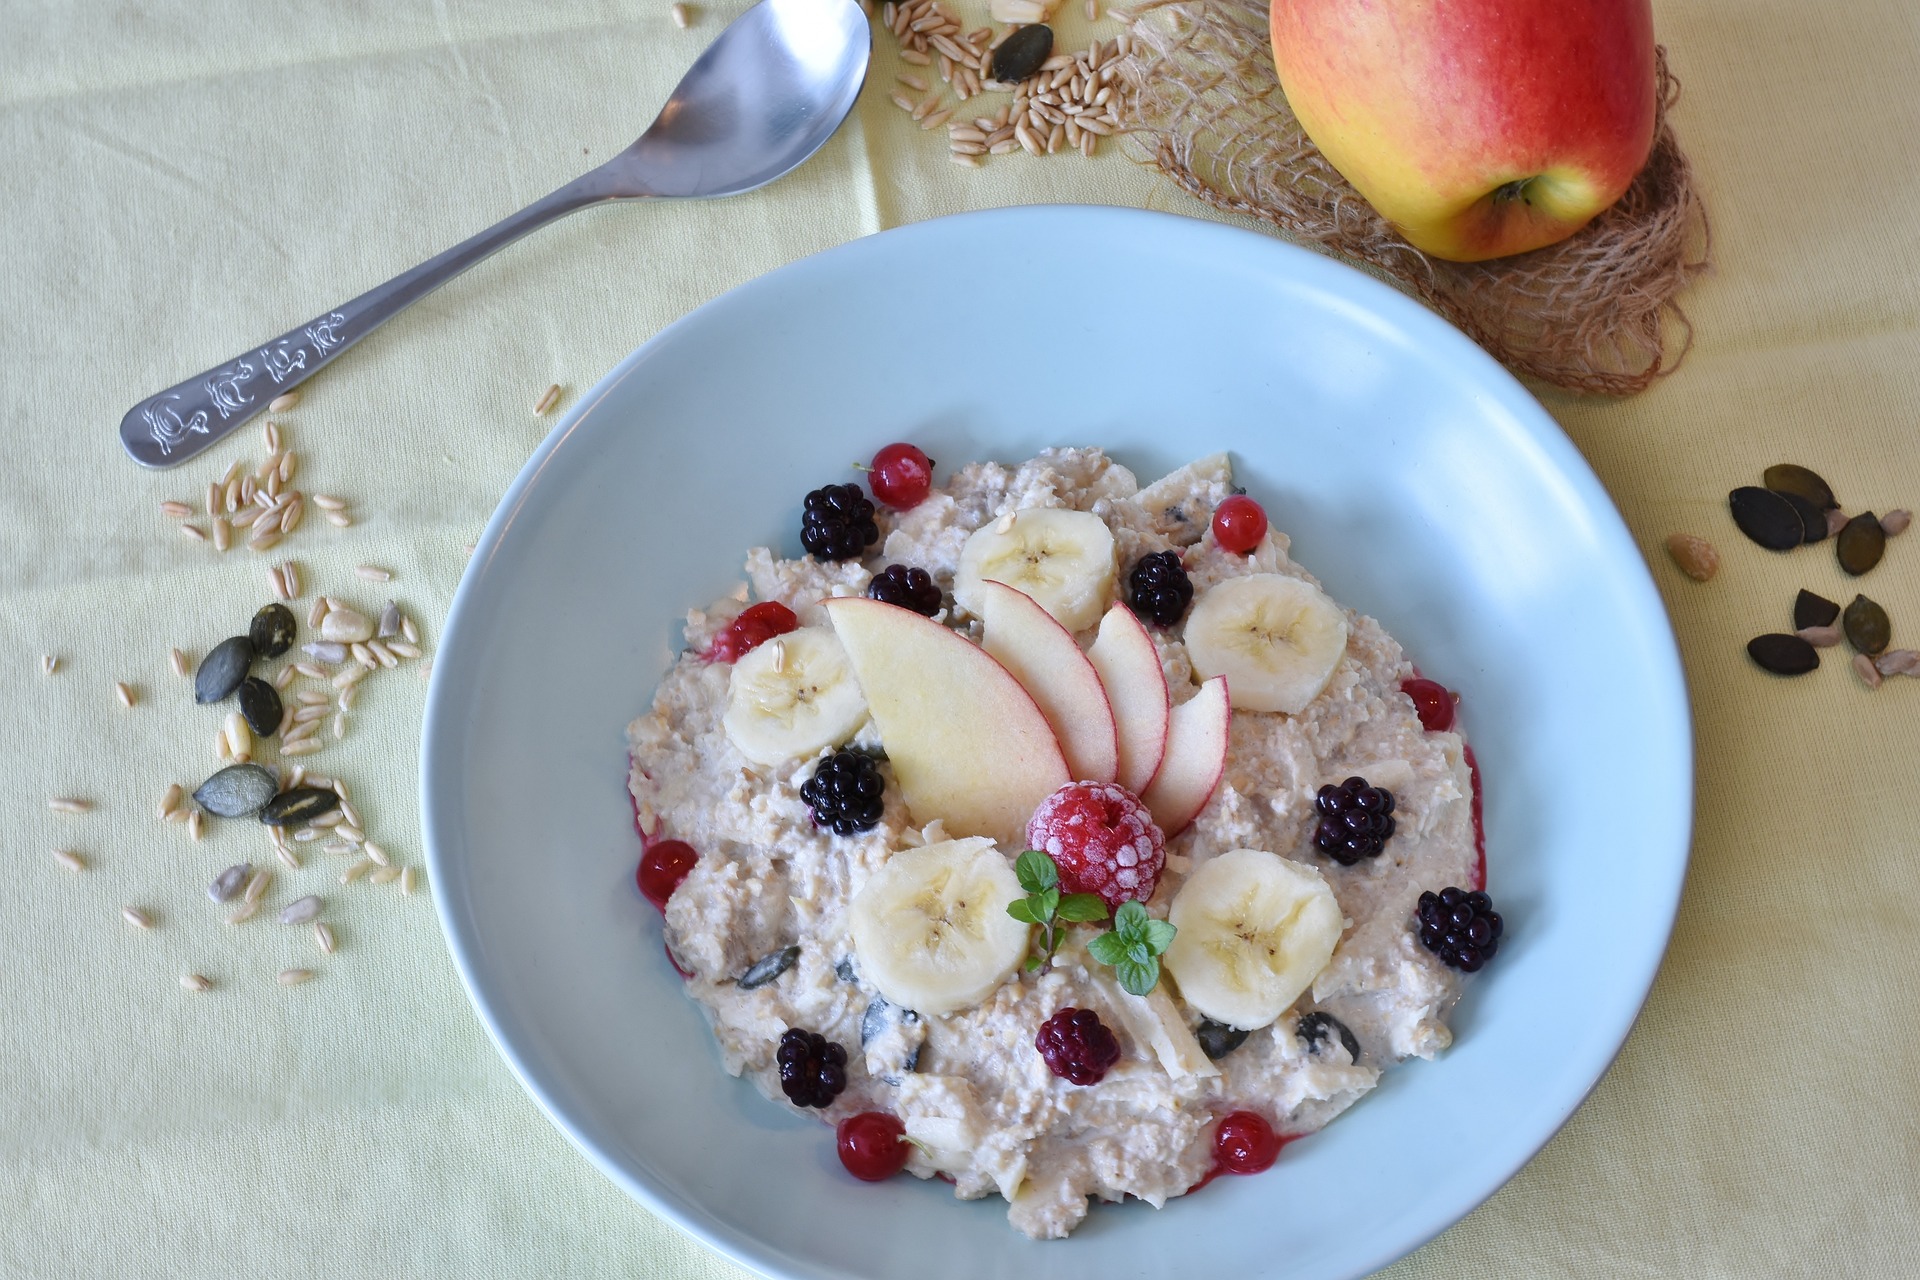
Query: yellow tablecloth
[[182, 179]]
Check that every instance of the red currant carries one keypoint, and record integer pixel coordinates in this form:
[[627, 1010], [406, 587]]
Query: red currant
[[662, 867], [1245, 1143], [873, 1145], [754, 627], [1432, 700], [1239, 524], [901, 476]]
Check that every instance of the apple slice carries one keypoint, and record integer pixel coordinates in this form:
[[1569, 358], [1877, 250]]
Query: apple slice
[[1128, 665], [1196, 758], [967, 743], [1046, 660]]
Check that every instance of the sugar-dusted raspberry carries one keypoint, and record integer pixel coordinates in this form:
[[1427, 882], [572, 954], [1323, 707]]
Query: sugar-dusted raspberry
[[1102, 839]]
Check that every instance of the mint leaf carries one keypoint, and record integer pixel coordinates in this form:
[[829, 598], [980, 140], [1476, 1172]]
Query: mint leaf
[[1139, 952], [1131, 918], [1045, 903], [1022, 910], [1159, 936], [1137, 978], [1108, 948], [1034, 962], [1079, 908], [1036, 871]]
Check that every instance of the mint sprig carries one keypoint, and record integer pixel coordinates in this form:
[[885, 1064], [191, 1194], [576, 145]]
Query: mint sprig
[[1133, 947], [1047, 907]]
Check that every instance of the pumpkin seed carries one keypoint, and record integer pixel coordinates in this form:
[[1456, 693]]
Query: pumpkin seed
[[272, 630], [1813, 517], [230, 882], [1861, 544], [1784, 655], [882, 1016], [260, 705], [1788, 478], [844, 970], [237, 791], [767, 968], [1810, 610], [1217, 1039], [1867, 626], [298, 806], [1767, 518], [222, 670], [1021, 53], [1315, 1027]]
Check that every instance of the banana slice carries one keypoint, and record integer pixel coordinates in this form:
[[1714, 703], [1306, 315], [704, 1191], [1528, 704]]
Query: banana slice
[[792, 696], [1276, 639], [1253, 931], [931, 926], [1063, 559]]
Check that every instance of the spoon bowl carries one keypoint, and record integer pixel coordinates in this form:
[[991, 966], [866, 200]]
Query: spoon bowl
[[764, 97]]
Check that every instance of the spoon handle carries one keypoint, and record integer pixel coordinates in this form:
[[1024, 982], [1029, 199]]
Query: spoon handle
[[178, 423]]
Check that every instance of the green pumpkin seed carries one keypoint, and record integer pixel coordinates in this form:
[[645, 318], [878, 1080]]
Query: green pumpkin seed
[[767, 968], [299, 806], [1784, 655], [1810, 610], [1788, 478], [1867, 626], [1861, 543], [237, 791], [1767, 518]]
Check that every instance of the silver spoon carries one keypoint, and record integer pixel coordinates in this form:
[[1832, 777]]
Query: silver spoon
[[760, 100]]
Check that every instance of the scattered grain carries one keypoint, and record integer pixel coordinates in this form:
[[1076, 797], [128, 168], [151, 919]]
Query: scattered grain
[[243, 913], [323, 935], [287, 856], [69, 859], [327, 502], [338, 519], [282, 403], [178, 660], [69, 804], [181, 510], [170, 801], [376, 853], [294, 977], [136, 917], [196, 825], [282, 678], [194, 531], [906, 78], [383, 875], [408, 631], [355, 871], [374, 573], [408, 879], [49, 664], [305, 748]]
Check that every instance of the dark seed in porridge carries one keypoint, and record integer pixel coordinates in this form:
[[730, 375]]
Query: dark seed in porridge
[[1810, 610], [1314, 1028], [237, 791], [260, 705], [1217, 1039], [1782, 654], [272, 631], [222, 670], [1867, 626], [299, 806], [837, 522], [1767, 518], [1861, 543], [1021, 53], [909, 588], [1797, 480], [813, 1069], [1158, 588], [769, 967]]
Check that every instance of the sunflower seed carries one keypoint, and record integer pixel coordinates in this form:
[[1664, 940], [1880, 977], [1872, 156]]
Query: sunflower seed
[[136, 917], [1895, 523], [222, 670], [1898, 662], [1864, 668], [69, 804], [374, 573], [294, 977], [389, 621], [325, 651], [49, 664], [1784, 655], [1820, 637], [70, 860], [301, 910], [237, 791], [230, 882]]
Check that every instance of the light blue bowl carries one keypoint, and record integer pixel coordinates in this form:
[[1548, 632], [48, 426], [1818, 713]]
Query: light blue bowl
[[1418, 480]]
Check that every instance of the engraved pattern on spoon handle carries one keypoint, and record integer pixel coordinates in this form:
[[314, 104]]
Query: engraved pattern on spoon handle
[[180, 422]]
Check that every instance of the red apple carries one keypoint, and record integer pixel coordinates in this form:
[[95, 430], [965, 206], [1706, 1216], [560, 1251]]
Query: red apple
[[1129, 667], [1479, 128], [1045, 658], [1197, 738]]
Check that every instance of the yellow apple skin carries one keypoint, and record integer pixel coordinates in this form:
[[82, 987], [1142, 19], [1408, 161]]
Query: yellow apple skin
[[1478, 128]]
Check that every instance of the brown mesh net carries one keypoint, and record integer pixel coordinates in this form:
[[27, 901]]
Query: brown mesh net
[[1595, 313]]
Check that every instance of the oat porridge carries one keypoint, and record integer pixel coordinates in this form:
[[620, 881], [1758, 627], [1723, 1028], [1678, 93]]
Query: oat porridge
[[1057, 836]]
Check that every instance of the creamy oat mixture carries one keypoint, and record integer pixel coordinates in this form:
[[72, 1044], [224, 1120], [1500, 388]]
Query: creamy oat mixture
[[982, 1107]]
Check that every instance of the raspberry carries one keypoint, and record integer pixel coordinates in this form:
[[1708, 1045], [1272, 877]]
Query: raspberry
[[837, 522], [1158, 588], [909, 588], [756, 625], [1077, 1046], [1102, 839], [1461, 928], [813, 1069]]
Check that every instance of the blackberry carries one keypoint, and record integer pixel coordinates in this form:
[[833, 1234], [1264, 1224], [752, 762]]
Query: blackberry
[[813, 1069], [837, 522], [1314, 1028], [1158, 588], [909, 588], [1461, 928], [1077, 1046], [844, 793], [1355, 820]]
